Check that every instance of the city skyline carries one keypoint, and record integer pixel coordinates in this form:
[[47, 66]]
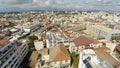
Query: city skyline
[[23, 5]]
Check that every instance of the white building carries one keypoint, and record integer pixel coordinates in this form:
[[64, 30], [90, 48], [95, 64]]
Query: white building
[[12, 53], [56, 38], [38, 45], [101, 30], [32, 26], [89, 59]]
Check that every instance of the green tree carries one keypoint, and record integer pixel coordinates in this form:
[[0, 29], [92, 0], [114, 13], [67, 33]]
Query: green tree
[[31, 39], [31, 44], [75, 60]]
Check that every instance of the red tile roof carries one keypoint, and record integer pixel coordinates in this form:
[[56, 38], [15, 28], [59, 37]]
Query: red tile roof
[[106, 56], [82, 40], [4, 40], [118, 48], [53, 30], [59, 53]]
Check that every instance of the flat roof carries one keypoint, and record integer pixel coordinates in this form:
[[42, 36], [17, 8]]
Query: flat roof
[[107, 29]]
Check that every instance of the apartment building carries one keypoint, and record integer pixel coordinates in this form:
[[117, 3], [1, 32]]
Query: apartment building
[[32, 26], [55, 37], [12, 53]]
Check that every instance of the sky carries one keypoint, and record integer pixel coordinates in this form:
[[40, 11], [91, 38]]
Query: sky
[[18, 5]]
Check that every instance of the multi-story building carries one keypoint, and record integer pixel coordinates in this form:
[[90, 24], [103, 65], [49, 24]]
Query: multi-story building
[[32, 26], [55, 37], [12, 53], [104, 31]]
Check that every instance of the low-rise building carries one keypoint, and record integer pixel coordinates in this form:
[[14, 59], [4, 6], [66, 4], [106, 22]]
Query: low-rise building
[[55, 57], [83, 42], [38, 45], [89, 59]]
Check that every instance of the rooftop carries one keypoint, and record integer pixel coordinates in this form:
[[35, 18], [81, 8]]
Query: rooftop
[[4, 40], [44, 51], [102, 48], [82, 40], [96, 41], [106, 29], [118, 48], [89, 59], [33, 59], [106, 56], [59, 53], [92, 21]]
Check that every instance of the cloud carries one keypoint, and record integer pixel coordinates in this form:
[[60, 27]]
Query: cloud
[[59, 4]]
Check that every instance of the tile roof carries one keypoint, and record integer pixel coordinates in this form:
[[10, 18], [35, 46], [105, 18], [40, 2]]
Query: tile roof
[[96, 41], [59, 53], [4, 40], [53, 30], [33, 59], [118, 48], [82, 40], [106, 56]]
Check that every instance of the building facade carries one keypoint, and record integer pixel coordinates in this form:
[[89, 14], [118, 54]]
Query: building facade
[[104, 31], [12, 54]]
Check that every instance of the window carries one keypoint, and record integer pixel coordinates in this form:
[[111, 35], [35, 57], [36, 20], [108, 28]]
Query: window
[[9, 62], [11, 65]]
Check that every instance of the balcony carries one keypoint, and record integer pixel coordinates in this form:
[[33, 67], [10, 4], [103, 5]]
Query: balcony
[[5, 46], [4, 61], [6, 52]]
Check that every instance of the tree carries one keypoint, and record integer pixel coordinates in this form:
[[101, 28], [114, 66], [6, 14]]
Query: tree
[[33, 37], [10, 25], [1, 37], [115, 37], [31, 43], [75, 60]]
